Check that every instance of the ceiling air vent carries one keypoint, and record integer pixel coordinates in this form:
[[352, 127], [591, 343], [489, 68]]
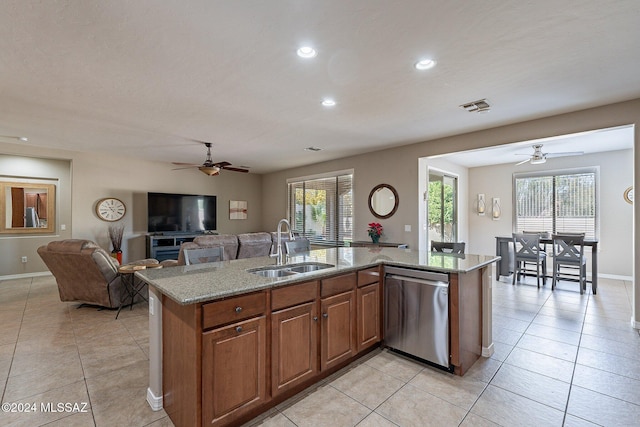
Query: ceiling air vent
[[481, 106]]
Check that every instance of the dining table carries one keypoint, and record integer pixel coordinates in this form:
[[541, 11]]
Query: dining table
[[505, 266]]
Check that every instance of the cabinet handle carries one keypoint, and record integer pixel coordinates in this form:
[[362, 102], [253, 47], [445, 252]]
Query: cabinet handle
[[239, 329], [315, 318], [238, 309], [325, 315]]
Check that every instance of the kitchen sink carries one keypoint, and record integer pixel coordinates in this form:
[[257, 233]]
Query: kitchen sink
[[307, 267], [275, 271]]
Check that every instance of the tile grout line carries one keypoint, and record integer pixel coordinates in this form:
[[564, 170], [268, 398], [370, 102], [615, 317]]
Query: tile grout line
[[84, 374], [15, 345], [575, 363]]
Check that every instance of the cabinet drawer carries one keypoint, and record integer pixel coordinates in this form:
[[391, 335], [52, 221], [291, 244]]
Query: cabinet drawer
[[368, 276], [233, 309], [293, 295], [338, 284]]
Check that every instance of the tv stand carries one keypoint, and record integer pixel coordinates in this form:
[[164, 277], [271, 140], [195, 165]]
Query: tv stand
[[167, 246]]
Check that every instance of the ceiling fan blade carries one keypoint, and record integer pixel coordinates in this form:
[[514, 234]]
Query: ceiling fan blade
[[522, 162], [186, 167], [185, 164], [222, 164], [235, 169], [565, 154]]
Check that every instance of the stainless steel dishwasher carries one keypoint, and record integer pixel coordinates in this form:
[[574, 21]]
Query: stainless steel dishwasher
[[416, 317]]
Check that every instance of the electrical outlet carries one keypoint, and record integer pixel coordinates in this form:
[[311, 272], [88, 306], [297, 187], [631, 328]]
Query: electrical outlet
[[24, 259]]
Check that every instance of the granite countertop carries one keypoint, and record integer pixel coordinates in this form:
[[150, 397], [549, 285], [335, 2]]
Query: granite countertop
[[189, 284]]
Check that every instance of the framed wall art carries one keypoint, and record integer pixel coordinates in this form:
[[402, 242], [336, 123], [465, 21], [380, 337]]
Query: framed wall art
[[237, 209]]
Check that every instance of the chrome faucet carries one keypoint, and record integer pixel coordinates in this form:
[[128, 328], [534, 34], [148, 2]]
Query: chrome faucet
[[278, 248]]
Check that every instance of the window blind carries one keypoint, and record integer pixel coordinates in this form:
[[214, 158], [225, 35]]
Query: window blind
[[556, 203], [322, 209]]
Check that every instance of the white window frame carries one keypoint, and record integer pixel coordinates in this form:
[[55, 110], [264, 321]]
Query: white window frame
[[337, 220], [559, 172]]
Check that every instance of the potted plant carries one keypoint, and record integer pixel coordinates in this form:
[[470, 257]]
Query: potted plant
[[375, 231], [115, 235]]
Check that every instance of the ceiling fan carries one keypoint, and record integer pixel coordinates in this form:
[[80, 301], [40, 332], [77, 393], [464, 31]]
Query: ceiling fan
[[209, 167], [538, 157]]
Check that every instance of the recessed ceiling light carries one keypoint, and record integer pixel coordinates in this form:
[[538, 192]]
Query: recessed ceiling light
[[312, 149], [306, 52], [425, 64], [23, 138], [327, 102]]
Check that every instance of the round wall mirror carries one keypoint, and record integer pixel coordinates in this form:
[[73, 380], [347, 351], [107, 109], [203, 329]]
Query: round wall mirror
[[383, 201]]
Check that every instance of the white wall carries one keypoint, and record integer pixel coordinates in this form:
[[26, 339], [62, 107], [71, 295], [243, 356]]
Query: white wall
[[616, 216]]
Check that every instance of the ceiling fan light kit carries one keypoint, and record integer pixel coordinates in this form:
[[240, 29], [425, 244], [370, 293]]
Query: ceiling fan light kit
[[209, 167], [210, 170]]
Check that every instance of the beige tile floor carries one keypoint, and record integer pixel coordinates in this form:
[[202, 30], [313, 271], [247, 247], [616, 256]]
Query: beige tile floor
[[560, 359]]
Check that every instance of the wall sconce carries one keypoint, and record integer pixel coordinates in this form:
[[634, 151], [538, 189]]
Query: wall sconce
[[496, 210], [481, 205]]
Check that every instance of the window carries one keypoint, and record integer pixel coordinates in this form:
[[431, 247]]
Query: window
[[442, 211], [557, 202], [321, 208]]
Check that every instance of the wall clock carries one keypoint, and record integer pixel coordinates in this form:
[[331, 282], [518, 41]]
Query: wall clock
[[628, 195], [110, 209]]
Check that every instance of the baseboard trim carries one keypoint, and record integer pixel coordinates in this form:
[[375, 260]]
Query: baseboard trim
[[615, 277], [25, 275], [154, 401], [488, 351]]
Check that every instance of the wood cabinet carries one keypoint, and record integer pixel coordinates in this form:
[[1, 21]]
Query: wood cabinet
[[338, 331], [233, 370], [228, 360], [369, 308], [294, 336]]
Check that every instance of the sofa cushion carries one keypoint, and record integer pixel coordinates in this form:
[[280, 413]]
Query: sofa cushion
[[254, 245], [228, 241]]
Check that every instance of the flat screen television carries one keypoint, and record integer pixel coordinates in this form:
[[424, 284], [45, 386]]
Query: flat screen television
[[181, 213]]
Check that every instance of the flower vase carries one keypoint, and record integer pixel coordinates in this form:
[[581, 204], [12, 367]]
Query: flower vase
[[117, 255], [375, 238]]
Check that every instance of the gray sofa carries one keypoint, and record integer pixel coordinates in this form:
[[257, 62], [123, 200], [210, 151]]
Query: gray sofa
[[247, 245]]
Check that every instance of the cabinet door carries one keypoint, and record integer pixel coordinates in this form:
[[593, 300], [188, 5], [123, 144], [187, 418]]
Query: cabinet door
[[294, 346], [368, 316], [233, 370], [338, 329]]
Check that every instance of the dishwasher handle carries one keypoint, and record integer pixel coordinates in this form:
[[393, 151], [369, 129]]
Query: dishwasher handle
[[421, 281], [416, 274]]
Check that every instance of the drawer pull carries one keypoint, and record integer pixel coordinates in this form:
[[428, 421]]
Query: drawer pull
[[325, 315], [239, 329], [238, 309], [315, 318]]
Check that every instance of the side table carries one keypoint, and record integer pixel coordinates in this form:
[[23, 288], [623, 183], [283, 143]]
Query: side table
[[132, 286]]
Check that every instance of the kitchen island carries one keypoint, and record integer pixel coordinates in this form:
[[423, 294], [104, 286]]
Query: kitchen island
[[230, 343]]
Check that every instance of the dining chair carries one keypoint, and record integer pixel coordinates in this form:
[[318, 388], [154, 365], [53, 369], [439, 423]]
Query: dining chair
[[202, 255], [568, 251], [296, 246], [526, 252], [448, 247]]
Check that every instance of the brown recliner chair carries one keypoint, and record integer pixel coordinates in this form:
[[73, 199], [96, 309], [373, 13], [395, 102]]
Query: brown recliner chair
[[85, 272]]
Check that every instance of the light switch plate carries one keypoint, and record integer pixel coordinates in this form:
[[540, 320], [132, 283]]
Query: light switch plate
[[407, 228]]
